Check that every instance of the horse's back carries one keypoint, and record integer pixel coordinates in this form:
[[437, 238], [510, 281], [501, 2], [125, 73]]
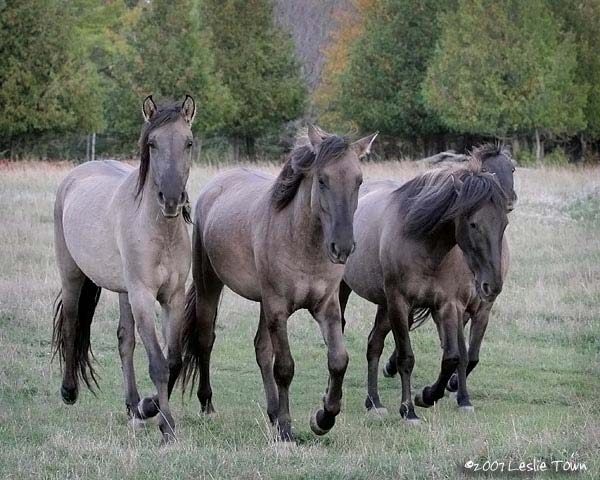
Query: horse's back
[[226, 210], [83, 210]]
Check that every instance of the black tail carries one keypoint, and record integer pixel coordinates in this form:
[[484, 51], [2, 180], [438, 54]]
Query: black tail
[[418, 316], [88, 299], [189, 341]]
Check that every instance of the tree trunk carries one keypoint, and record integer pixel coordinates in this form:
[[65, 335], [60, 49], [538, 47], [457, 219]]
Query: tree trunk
[[250, 145], [583, 146], [539, 147], [514, 146], [93, 146]]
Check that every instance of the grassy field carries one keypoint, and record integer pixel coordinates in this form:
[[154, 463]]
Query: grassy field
[[536, 390]]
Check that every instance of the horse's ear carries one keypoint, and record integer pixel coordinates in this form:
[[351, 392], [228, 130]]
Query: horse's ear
[[188, 108], [315, 136], [149, 108], [363, 146]]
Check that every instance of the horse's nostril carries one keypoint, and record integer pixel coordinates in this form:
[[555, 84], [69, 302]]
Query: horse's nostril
[[161, 197], [334, 249], [353, 248], [182, 198], [485, 288]]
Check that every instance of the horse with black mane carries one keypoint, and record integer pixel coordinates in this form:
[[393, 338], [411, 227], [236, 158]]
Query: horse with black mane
[[282, 242], [124, 229], [405, 237]]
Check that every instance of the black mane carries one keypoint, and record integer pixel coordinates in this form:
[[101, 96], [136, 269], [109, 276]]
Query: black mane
[[300, 162], [435, 198]]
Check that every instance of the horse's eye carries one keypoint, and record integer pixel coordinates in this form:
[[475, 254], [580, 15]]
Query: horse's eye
[[484, 170], [513, 169], [151, 144], [473, 225], [321, 182], [189, 144]]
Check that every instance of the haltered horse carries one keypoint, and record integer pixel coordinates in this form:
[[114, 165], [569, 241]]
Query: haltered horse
[[122, 229], [281, 242]]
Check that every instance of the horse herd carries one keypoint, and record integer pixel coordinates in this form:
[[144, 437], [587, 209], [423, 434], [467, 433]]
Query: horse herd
[[305, 239]]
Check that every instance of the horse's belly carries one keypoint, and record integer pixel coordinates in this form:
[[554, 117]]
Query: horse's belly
[[90, 240]]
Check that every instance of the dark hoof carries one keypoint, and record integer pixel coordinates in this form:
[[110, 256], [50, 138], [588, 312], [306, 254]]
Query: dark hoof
[[69, 395], [208, 409], [321, 422], [147, 408], [424, 399], [387, 373], [409, 415], [285, 434], [452, 385]]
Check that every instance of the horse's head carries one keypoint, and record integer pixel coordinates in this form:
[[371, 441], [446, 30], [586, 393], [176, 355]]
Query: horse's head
[[480, 221], [336, 178], [497, 160], [166, 144]]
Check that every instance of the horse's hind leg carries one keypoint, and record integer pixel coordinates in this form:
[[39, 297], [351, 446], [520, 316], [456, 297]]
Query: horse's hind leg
[[328, 316], [264, 357], [374, 349], [73, 317], [126, 337], [345, 292], [448, 320]]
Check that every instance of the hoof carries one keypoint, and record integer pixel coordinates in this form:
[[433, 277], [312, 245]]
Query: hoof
[[321, 423], [137, 423], [452, 385], [387, 373], [466, 408], [419, 402], [377, 412], [69, 395]]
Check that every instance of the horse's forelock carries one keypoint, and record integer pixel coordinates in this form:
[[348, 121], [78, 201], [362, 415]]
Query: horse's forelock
[[301, 161]]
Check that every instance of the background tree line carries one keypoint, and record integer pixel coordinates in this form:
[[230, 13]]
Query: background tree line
[[428, 74]]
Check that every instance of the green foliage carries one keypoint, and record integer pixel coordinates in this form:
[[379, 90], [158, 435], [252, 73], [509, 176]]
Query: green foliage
[[505, 67], [257, 63], [167, 55], [381, 89], [581, 19], [45, 86], [556, 158]]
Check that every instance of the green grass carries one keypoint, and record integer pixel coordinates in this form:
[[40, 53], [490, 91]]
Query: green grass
[[536, 390]]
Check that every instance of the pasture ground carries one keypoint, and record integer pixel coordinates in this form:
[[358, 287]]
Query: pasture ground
[[536, 390]]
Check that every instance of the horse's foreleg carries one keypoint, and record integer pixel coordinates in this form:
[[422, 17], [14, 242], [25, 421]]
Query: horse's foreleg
[[142, 306], [448, 322], [126, 337], [479, 323], [264, 357], [374, 349], [283, 367], [329, 319], [398, 311]]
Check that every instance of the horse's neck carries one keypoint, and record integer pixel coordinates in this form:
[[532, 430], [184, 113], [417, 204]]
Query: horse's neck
[[439, 244], [303, 221]]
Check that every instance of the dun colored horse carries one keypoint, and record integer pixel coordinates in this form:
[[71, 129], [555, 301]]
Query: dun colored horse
[[122, 228], [497, 161], [282, 242], [404, 242]]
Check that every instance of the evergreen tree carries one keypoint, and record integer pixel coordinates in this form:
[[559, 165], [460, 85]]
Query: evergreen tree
[[45, 86], [168, 57], [257, 63], [504, 67], [382, 87]]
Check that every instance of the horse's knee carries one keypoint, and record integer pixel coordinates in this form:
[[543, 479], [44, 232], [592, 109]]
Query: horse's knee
[[338, 362], [450, 363], [283, 369], [405, 363]]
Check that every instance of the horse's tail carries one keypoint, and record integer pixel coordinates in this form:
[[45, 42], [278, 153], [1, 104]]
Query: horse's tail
[[189, 340], [88, 299], [418, 316]]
